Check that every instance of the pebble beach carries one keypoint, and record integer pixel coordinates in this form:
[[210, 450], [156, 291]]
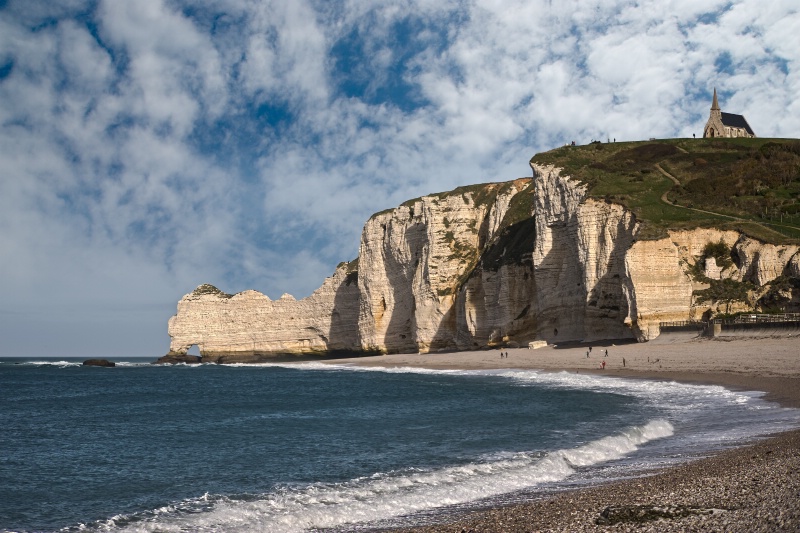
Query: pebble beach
[[746, 489]]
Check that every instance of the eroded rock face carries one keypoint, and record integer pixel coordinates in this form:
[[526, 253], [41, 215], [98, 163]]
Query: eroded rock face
[[761, 263], [579, 261], [499, 263], [413, 261], [250, 324], [656, 286], [793, 266], [422, 284]]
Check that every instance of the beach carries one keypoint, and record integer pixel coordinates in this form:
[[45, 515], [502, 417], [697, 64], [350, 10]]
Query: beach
[[750, 488]]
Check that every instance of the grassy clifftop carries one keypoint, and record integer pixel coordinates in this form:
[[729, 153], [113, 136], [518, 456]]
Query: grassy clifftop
[[751, 185]]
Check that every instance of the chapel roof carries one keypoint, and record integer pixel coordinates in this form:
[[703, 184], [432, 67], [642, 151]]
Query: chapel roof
[[736, 121]]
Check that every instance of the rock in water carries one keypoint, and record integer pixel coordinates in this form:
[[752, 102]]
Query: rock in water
[[174, 359], [99, 362]]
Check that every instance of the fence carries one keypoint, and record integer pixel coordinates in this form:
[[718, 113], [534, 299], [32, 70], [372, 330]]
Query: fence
[[749, 323], [760, 319]]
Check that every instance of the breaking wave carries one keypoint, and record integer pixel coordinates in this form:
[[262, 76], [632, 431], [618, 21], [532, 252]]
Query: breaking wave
[[386, 495]]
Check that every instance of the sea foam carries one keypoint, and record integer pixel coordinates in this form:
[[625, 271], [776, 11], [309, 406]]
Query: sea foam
[[386, 495]]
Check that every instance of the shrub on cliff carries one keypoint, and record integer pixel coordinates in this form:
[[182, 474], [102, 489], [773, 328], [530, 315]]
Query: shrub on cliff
[[724, 291]]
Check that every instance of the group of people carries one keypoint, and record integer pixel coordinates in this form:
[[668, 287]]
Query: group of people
[[503, 355], [590, 351], [605, 354]]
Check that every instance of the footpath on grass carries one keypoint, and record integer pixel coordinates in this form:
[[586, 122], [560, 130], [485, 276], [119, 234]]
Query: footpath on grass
[[676, 181]]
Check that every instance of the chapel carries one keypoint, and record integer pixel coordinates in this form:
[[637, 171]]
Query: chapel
[[726, 124]]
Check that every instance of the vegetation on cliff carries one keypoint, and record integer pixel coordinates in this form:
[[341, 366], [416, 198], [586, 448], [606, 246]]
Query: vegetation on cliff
[[749, 185], [207, 288]]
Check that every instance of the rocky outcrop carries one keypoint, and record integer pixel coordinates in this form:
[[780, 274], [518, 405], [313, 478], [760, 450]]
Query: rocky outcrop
[[248, 326], [99, 362], [761, 263], [178, 359], [492, 264], [657, 282]]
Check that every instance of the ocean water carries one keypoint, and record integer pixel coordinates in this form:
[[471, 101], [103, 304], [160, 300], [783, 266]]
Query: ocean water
[[309, 447]]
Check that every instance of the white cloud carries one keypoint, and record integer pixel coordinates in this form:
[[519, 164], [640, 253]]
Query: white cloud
[[285, 53]]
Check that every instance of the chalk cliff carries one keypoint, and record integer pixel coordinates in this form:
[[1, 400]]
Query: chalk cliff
[[499, 263], [248, 325], [414, 259]]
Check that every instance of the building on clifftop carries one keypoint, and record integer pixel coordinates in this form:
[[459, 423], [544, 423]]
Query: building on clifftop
[[726, 124]]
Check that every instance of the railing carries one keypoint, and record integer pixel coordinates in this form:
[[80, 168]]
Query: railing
[[747, 319], [699, 324], [760, 319]]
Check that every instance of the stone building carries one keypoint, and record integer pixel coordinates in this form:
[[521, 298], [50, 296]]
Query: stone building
[[726, 124]]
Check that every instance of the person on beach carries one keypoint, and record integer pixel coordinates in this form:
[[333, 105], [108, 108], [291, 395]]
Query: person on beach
[[587, 354], [603, 365], [606, 352], [623, 362]]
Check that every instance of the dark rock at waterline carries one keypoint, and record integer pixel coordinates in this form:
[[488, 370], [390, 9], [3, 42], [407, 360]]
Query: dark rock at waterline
[[174, 359], [99, 362]]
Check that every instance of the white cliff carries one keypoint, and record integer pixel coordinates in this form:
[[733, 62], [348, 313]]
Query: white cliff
[[413, 260], [248, 325], [499, 263], [579, 261]]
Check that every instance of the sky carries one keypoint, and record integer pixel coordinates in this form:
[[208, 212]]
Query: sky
[[150, 146]]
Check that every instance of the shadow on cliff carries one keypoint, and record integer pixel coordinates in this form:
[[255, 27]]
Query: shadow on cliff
[[509, 254], [344, 339], [575, 314], [400, 335]]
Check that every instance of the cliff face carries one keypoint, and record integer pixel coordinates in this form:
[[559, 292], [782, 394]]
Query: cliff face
[[413, 260], [481, 265], [657, 282], [248, 325], [579, 261]]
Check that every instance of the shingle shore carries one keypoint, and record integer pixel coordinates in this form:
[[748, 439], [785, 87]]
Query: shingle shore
[[749, 489], [755, 488]]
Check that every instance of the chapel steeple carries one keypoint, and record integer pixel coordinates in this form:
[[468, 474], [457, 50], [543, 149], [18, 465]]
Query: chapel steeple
[[714, 103]]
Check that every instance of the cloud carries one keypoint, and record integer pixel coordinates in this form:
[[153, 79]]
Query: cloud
[[151, 146]]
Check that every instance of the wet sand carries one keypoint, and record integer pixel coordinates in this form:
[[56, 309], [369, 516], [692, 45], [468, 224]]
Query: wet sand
[[752, 488]]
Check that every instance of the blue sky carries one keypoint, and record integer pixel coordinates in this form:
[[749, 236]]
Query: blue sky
[[150, 146]]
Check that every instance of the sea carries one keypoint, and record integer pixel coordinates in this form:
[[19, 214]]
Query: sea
[[321, 447]]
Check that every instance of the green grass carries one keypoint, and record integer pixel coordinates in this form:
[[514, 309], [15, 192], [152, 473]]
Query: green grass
[[756, 181]]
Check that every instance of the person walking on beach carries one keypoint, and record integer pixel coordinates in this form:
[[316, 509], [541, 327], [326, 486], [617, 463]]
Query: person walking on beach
[[603, 365], [623, 362], [606, 352], [587, 354]]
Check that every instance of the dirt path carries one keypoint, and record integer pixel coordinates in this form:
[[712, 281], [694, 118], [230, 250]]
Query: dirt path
[[738, 219], [674, 180]]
